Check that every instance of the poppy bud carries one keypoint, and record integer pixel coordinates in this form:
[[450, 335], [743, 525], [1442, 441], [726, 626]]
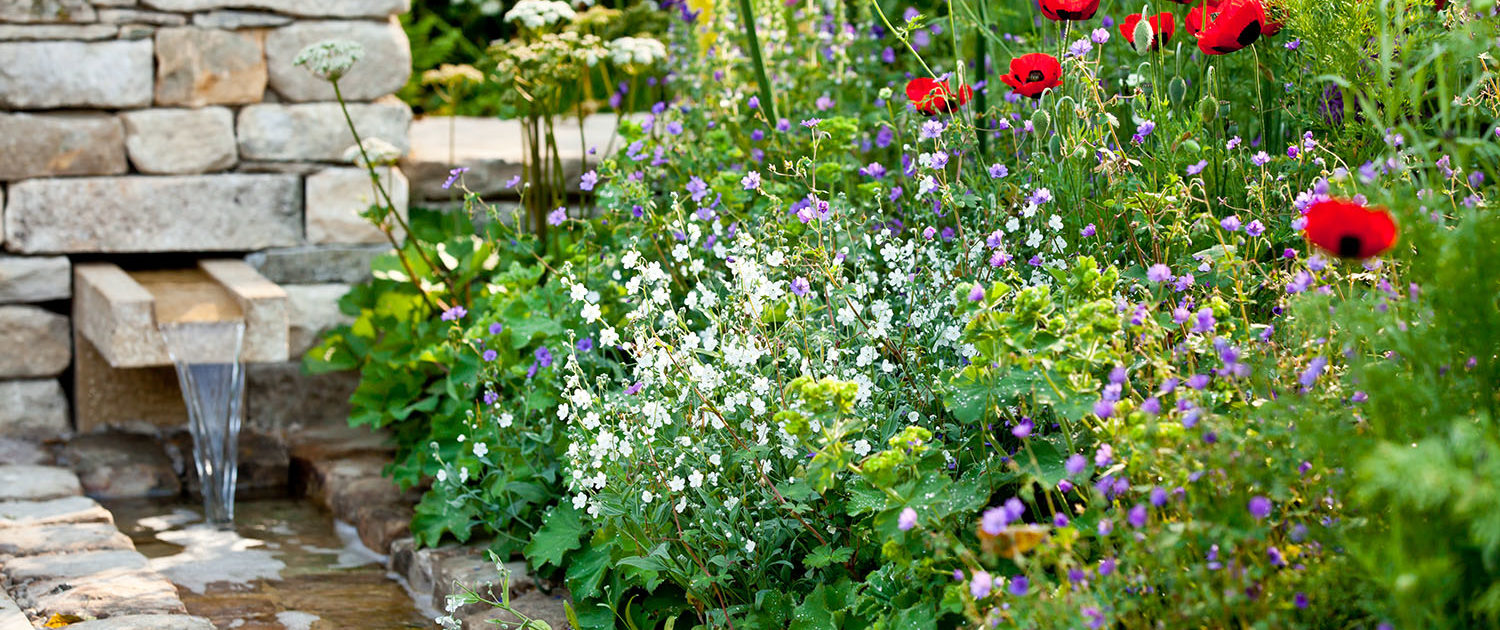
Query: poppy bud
[[1042, 121], [1143, 37], [1208, 109], [1192, 146], [1177, 90]]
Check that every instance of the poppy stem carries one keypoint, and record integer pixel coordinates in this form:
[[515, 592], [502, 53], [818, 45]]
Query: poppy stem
[[747, 15], [981, 80]]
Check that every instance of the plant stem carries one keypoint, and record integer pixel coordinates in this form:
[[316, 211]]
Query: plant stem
[[747, 15]]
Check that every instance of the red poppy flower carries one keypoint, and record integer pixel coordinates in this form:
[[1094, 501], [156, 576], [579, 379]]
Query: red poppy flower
[[1071, 10], [1032, 74], [1163, 26], [1230, 26], [932, 96], [1195, 18], [1349, 230]]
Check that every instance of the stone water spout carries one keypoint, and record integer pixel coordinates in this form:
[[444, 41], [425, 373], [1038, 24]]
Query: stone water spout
[[204, 322]]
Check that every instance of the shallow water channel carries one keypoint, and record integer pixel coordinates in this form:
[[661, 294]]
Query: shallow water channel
[[285, 566]]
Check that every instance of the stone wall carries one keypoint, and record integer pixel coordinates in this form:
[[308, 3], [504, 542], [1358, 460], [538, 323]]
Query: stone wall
[[138, 127]]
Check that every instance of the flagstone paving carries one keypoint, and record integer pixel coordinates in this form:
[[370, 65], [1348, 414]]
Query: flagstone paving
[[62, 557]]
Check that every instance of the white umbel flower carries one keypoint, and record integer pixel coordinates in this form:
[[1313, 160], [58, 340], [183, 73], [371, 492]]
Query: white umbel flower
[[330, 59], [538, 13], [640, 51]]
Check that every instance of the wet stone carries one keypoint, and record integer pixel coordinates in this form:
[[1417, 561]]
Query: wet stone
[[380, 525], [121, 466], [52, 512], [24, 451], [73, 566], [37, 483], [146, 622], [65, 538], [107, 594]]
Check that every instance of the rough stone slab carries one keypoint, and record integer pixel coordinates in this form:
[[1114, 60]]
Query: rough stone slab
[[72, 566], [343, 264], [42, 32], [121, 466], [312, 310], [200, 66], [35, 11], [44, 336], [326, 479], [107, 594], [146, 622], [279, 398], [11, 617], [48, 145], [233, 20], [108, 75], [300, 8], [35, 409], [64, 538], [316, 132], [492, 150], [137, 16], [336, 198], [35, 278], [338, 441], [384, 68], [380, 525], [73, 509], [19, 482], [180, 141], [23, 451], [232, 212]]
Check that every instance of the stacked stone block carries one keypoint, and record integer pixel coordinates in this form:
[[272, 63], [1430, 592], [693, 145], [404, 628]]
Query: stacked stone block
[[136, 127]]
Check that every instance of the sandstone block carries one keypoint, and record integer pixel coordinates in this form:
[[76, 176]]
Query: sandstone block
[[48, 145], [201, 66], [35, 279], [41, 32], [312, 310], [37, 483], [36, 409], [153, 214], [106, 75], [38, 11], [138, 16], [44, 336], [384, 68], [234, 20], [344, 264], [316, 132], [337, 197], [173, 141], [300, 8]]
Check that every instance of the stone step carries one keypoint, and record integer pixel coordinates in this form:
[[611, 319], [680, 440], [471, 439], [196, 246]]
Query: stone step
[[20, 482], [53, 512]]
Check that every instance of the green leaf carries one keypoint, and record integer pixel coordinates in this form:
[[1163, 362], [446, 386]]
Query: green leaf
[[825, 555], [587, 570], [559, 535]]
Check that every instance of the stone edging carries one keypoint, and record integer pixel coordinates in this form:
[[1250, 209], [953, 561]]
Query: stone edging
[[61, 554]]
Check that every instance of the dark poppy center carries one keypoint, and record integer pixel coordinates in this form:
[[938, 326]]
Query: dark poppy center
[[1350, 246], [1250, 34], [1072, 15], [1034, 76]]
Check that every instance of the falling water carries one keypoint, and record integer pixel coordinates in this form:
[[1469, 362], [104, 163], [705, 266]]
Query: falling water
[[207, 356]]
